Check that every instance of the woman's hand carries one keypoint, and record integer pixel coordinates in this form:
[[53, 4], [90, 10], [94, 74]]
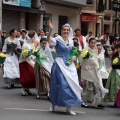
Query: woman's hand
[[16, 49], [73, 58], [44, 55], [51, 25]]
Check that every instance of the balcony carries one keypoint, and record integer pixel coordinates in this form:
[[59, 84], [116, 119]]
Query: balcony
[[72, 3]]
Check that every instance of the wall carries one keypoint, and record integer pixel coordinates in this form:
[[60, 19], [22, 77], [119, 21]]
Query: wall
[[34, 22], [0, 14], [73, 17], [82, 2]]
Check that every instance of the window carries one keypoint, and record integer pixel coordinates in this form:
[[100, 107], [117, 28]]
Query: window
[[110, 4], [106, 4], [62, 20], [46, 18], [90, 2]]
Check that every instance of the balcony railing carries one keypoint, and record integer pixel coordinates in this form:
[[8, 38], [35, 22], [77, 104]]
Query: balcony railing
[[90, 2]]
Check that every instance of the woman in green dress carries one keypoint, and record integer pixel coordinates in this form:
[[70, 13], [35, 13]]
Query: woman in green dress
[[113, 82]]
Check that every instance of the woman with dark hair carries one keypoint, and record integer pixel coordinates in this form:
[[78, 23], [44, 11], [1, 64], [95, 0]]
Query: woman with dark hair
[[23, 37], [98, 39], [93, 90], [101, 61], [42, 73], [27, 78], [113, 82], [65, 90], [55, 35], [42, 33], [11, 65]]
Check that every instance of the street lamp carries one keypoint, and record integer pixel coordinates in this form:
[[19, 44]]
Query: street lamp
[[116, 8]]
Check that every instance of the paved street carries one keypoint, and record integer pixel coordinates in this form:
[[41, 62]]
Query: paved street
[[13, 106]]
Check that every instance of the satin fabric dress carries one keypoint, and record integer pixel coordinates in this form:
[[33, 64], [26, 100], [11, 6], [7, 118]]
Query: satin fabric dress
[[62, 92], [113, 82], [11, 65]]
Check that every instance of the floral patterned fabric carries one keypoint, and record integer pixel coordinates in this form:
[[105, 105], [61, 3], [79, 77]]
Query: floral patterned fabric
[[113, 84], [91, 93]]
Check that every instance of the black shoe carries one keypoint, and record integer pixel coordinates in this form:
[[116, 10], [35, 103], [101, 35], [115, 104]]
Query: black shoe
[[101, 106], [12, 85], [28, 91]]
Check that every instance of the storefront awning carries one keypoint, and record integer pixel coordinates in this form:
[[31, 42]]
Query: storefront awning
[[88, 18], [22, 9], [72, 3]]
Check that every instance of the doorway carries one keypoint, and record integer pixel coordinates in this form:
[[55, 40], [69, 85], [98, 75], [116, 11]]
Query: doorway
[[62, 20]]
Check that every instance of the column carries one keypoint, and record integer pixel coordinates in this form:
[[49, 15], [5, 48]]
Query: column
[[41, 21], [22, 21]]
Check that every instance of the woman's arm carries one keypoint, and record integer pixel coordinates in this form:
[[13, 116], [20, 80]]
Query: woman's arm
[[51, 25], [5, 46]]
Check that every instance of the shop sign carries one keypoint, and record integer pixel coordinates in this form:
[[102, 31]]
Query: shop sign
[[21, 3], [88, 18]]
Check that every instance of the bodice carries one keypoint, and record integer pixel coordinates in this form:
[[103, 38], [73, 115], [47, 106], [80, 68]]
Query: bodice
[[63, 51], [11, 48]]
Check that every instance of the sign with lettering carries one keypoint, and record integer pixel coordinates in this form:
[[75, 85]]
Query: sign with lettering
[[22, 3], [88, 18]]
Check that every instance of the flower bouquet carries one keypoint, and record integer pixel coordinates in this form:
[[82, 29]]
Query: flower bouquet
[[2, 58], [39, 56], [26, 53], [86, 55], [74, 52], [115, 61]]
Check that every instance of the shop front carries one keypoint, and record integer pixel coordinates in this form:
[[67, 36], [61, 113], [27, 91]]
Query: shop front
[[20, 16], [88, 23]]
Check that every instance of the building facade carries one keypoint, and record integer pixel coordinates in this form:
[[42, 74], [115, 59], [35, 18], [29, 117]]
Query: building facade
[[61, 12], [25, 15], [97, 17], [37, 16]]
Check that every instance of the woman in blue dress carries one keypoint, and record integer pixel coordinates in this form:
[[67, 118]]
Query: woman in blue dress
[[65, 90]]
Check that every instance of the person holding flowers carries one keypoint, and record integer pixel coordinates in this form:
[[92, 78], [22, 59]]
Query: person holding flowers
[[11, 73], [42, 69], [93, 90], [27, 78], [2, 58], [65, 90], [113, 82]]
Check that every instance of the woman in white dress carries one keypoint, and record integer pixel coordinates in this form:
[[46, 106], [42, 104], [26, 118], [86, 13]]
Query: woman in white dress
[[101, 60], [11, 65], [98, 39]]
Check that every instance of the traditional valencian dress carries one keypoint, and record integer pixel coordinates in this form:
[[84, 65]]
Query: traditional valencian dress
[[113, 82], [93, 90], [11, 64], [27, 78], [42, 73], [64, 84], [102, 66]]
